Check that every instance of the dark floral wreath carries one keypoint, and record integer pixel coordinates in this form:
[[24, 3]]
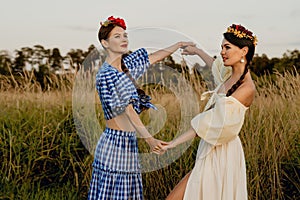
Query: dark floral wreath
[[241, 32]]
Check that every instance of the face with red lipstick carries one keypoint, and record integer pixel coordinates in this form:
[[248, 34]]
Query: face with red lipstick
[[232, 54], [117, 41]]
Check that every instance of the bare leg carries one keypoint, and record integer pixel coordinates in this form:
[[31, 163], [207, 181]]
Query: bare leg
[[178, 192]]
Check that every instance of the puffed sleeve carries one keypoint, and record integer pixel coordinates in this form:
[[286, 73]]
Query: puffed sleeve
[[222, 123], [137, 62], [219, 71], [115, 92]]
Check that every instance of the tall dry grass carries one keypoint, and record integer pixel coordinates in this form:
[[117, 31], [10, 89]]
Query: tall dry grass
[[42, 156], [271, 138]]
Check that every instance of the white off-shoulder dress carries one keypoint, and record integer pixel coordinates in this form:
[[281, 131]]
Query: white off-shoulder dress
[[220, 171]]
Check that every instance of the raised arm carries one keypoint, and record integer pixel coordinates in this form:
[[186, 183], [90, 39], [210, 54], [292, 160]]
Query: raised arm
[[163, 53], [193, 50]]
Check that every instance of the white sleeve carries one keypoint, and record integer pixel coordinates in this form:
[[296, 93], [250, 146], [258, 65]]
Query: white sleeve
[[222, 123], [219, 71]]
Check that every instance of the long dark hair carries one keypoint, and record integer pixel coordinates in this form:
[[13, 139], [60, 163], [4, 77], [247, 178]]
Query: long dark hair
[[144, 98], [126, 71], [240, 42]]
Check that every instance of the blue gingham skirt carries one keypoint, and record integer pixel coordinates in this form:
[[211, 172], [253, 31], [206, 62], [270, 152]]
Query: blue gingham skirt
[[116, 169]]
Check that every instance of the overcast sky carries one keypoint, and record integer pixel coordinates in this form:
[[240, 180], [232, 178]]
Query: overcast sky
[[68, 24]]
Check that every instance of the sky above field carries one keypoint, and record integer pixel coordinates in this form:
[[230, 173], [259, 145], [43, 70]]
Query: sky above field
[[67, 24]]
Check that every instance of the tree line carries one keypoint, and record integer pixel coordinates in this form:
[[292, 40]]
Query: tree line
[[44, 62]]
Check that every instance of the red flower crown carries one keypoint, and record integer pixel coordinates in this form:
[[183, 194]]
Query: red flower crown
[[111, 20], [241, 32]]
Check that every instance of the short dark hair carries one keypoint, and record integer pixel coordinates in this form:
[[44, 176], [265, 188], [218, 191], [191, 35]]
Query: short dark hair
[[105, 30]]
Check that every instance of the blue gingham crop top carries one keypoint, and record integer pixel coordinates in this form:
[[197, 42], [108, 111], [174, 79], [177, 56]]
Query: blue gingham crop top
[[115, 89]]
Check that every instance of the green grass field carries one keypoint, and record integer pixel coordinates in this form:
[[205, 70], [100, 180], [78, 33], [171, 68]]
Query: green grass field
[[42, 156]]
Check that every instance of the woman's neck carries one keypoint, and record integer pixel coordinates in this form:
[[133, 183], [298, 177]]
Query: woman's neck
[[115, 61], [237, 71]]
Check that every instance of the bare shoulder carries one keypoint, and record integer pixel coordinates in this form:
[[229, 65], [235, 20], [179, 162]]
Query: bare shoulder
[[245, 93]]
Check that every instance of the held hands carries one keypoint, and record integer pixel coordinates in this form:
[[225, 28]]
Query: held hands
[[161, 147], [189, 50], [170, 145], [156, 146], [164, 146], [183, 45]]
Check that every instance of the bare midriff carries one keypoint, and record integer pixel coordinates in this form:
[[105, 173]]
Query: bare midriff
[[120, 122]]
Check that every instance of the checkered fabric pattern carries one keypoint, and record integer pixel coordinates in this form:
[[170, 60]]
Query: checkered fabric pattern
[[115, 89], [137, 63], [116, 170], [117, 150]]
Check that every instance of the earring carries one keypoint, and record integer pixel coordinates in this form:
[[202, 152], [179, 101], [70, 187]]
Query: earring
[[242, 60]]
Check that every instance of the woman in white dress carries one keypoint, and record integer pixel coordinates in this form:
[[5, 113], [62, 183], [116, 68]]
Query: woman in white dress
[[220, 171]]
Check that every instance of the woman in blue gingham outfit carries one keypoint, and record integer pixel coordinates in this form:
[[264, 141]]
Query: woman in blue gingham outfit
[[116, 170]]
